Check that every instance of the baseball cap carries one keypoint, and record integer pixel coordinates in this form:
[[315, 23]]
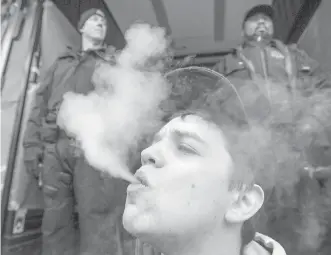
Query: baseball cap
[[263, 9]]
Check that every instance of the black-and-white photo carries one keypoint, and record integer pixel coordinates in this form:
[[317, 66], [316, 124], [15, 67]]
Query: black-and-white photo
[[165, 127]]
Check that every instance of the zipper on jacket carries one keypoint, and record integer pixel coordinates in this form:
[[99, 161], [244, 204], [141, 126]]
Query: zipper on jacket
[[265, 71]]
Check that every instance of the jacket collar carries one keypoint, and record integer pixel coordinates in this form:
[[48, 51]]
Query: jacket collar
[[263, 245], [277, 44], [106, 53]]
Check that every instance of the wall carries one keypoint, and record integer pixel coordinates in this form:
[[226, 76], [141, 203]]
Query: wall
[[57, 34], [316, 40]]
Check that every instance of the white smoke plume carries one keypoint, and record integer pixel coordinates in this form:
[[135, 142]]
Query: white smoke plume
[[108, 122]]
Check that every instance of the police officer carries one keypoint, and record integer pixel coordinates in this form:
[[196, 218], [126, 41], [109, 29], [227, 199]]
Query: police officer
[[49, 152], [261, 55]]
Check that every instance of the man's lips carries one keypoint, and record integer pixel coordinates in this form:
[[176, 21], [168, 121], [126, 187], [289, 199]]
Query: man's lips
[[261, 29], [134, 190], [142, 178], [98, 29], [135, 187]]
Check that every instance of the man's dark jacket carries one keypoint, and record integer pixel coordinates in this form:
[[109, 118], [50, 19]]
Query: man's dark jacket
[[72, 71]]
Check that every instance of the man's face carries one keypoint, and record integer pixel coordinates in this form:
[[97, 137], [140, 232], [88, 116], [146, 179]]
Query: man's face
[[259, 25], [186, 174], [95, 27]]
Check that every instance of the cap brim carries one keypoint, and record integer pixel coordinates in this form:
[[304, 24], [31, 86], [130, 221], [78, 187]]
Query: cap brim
[[194, 88], [260, 9]]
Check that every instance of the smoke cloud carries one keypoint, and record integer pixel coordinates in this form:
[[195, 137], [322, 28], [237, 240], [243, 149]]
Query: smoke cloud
[[293, 133], [111, 121]]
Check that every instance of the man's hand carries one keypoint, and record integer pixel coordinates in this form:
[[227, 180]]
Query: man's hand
[[319, 173], [33, 160], [34, 167], [322, 172], [76, 148], [40, 180]]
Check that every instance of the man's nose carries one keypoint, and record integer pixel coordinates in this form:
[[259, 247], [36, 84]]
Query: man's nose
[[152, 156], [261, 20], [100, 21]]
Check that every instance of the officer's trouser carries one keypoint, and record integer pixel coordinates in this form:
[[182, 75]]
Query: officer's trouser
[[100, 204], [58, 222]]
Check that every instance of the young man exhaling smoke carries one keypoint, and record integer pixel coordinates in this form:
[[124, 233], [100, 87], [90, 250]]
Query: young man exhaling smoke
[[195, 197], [66, 177], [202, 175]]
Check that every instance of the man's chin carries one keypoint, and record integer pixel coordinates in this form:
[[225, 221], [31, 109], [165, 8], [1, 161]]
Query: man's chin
[[98, 38], [260, 37], [140, 224], [133, 220]]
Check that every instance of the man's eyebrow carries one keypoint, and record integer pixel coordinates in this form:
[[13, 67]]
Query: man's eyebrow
[[180, 134], [185, 133]]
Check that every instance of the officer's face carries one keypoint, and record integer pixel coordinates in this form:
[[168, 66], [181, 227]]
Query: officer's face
[[259, 25], [95, 27], [186, 175]]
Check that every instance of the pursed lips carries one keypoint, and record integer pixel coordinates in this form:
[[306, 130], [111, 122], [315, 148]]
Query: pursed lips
[[98, 28], [135, 189], [261, 27]]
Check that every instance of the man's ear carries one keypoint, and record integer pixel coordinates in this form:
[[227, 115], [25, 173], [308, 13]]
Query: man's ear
[[245, 205]]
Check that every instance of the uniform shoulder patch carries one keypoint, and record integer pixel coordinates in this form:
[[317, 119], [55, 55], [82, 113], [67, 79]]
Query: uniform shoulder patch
[[276, 54]]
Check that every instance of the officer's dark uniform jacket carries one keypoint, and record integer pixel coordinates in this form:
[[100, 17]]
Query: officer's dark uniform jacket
[[277, 63], [274, 61], [72, 71]]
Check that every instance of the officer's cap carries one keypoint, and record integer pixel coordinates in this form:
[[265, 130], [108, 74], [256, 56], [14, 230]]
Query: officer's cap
[[260, 9], [87, 14]]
